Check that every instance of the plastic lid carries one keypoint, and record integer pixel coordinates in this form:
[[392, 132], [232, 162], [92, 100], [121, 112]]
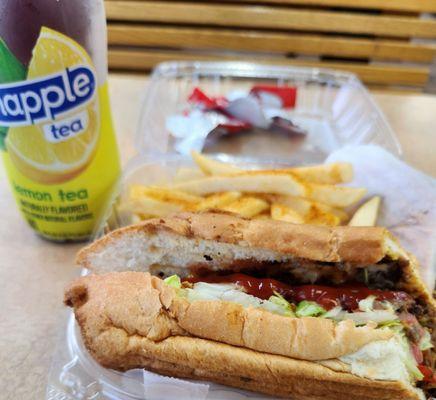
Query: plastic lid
[[333, 107]]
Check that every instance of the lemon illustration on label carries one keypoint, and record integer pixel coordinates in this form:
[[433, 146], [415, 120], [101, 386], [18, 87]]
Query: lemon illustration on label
[[53, 116]]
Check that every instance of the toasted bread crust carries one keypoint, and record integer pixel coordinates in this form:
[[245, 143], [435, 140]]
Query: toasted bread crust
[[301, 338], [131, 320], [361, 245], [186, 357]]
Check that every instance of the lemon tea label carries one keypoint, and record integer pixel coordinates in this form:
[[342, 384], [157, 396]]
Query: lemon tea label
[[57, 138], [46, 99]]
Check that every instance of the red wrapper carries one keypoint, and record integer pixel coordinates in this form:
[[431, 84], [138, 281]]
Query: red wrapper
[[209, 103], [288, 94]]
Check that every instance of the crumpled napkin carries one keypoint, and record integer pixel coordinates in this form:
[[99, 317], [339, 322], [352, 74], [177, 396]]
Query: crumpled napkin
[[408, 210], [158, 387], [408, 200]]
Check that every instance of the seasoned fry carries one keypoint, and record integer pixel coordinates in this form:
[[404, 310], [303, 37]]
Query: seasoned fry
[[341, 214], [210, 166], [217, 201], [329, 195], [323, 218], [187, 174], [314, 215], [367, 213], [335, 196], [259, 183], [311, 210], [145, 216], [281, 212], [165, 195], [324, 174], [247, 206]]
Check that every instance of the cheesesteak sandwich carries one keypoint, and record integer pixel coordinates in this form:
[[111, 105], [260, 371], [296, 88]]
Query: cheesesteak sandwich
[[297, 311]]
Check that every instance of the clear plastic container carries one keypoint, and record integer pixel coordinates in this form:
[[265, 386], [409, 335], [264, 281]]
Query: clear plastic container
[[333, 106]]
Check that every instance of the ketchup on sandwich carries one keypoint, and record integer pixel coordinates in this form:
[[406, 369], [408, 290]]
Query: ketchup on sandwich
[[347, 296]]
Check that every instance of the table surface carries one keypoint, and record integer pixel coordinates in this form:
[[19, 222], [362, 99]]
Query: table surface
[[33, 272]]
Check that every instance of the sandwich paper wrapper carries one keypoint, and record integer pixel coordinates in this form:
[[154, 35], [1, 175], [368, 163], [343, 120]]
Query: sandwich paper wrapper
[[408, 210]]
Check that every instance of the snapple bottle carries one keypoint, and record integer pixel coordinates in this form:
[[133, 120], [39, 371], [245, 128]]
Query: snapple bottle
[[56, 133]]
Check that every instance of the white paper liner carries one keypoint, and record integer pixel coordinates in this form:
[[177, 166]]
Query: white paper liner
[[408, 200]]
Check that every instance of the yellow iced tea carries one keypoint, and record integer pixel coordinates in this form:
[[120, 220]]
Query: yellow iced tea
[[56, 133]]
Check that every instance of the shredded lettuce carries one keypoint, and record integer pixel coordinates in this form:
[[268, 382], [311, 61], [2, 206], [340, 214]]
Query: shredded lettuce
[[246, 300], [413, 369], [425, 342], [385, 359], [277, 308], [281, 302], [409, 359], [380, 317], [377, 316], [232, 293], [174, 281], [335, 313], [309, 309], [367, 304], [395, 325], [209, 291]]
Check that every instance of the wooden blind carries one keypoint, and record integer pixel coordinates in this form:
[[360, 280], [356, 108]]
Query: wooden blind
[[377, 39]]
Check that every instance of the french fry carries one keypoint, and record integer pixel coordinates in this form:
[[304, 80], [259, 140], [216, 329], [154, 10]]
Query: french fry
[[335, 196], [210, 166], [146, 216], [217, 201], [325, 173], [135, 219], [164, 194], [141, 217], [366, 215], [323, 218], [187, 174], [313, 215], [247, 206], [150, 206], [128, 211], [312, 211], [258, 183], [338, 212], [281, 212]]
